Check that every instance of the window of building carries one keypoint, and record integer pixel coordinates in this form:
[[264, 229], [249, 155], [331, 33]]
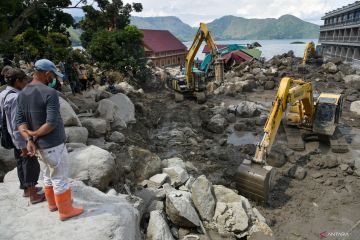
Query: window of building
[[357, 14]]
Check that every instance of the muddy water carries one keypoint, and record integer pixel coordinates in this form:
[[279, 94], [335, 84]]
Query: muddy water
[[242, 138]]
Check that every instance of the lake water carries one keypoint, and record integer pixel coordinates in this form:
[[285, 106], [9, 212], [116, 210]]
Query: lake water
[[269, 48]]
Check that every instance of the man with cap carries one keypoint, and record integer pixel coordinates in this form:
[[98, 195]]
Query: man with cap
[[28, 167], [40, 123]]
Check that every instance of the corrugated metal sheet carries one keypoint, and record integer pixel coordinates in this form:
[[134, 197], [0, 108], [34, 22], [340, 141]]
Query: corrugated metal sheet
[[161, 41], [254, 52], [238, 56]]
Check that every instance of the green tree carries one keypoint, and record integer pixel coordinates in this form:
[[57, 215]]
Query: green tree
[[37, 28], [109, 38]]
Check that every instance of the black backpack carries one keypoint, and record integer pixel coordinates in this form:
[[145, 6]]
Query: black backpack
[[6, 140]]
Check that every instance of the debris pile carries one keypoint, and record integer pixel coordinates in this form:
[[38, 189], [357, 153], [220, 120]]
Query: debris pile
[[180, 206]]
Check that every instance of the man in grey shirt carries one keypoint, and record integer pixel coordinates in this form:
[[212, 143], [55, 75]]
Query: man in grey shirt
[[28, 167], [40, 123]]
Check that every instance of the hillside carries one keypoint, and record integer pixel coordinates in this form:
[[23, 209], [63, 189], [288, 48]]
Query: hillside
[[231, 28], [181, 30], [285, 27]]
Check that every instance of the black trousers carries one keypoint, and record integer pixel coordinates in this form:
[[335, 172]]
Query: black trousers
[[28, 169]]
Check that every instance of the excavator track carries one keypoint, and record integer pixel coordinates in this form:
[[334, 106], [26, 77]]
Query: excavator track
[[338, 142]]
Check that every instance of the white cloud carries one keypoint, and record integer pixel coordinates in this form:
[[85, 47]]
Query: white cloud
[[194, 11]]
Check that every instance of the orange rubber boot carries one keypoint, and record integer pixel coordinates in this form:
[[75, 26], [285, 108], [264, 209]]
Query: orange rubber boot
[[64, 204], [50, 197]]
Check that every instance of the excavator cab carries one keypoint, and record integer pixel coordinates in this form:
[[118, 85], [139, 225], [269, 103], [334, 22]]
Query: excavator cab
[[327, 113]]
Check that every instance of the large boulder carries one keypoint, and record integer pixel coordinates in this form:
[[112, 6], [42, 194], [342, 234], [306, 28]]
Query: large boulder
[[68, 115], [76, 134], [330, 67], [231, 217], [158, 229], [352, 81], [110, 112], [203, 198], [7, 161], [104, 217], [355, 107], [118, 110], [180, 209], [97, 127], [144, 163], [217, 124], [92, 165], [246, 109], [232, 212]]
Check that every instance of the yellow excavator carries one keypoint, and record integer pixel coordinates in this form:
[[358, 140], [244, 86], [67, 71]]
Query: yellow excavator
[[310, 56], [254, 177], [192, 82]]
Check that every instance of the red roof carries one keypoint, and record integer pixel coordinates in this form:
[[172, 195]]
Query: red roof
[[161, 41], [238, 56], [207, 49]]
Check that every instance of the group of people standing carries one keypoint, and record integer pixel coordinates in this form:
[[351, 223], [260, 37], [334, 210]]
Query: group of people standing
[[79, 78], [32, 125]]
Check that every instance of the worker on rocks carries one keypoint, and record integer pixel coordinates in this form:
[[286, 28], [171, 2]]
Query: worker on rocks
[[40, 123], [28, 167]]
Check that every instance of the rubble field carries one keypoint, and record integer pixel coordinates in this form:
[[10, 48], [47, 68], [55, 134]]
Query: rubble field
[[176, 162]]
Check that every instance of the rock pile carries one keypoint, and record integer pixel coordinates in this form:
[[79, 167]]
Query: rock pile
[[180, 206]]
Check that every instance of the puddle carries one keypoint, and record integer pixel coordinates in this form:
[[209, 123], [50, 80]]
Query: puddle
[[243, 138]]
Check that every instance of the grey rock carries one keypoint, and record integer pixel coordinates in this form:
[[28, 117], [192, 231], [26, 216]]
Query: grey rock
[[246, 109], [7, 161], [92, 165], [330, 67], [269, 85], [180, 210], [344, 167], [105, 216], [300, 173], [355, 107], [117, 137], [158, 180], [76, 134], [144, 163], [352, 81], [177, 175], [158, 229], [217, 124], [203, 198], [172, 162], [231, 217], [96, 126], [68, 115]]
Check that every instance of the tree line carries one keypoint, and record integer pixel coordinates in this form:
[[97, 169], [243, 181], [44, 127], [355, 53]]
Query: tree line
[[33, 29]]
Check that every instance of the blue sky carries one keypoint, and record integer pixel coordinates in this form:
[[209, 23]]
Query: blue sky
[[194, 11]]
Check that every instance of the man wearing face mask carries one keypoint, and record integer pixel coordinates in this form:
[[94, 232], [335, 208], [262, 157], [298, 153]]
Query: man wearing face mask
[[39, 121]]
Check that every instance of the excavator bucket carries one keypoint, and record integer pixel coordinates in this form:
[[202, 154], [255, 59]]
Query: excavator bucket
[[254, 181]]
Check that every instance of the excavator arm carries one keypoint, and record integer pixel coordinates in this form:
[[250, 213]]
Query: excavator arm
[[292, 92], [309, 52], [202, 34]]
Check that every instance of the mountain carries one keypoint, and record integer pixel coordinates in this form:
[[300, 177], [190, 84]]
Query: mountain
[[285, 27], [235, 28], [181, 30], [229, 28]]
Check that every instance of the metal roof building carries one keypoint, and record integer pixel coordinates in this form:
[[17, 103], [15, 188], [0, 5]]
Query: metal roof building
[[163, 48]]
